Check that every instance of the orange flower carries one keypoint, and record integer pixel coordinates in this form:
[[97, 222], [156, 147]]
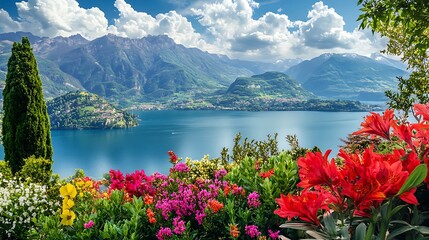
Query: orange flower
[[151, 215], [226, 190], [214, 205], [233, 230], [148, 199]]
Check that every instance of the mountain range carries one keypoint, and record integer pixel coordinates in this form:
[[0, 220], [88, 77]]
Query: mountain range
[[155, 68], [348, 76]]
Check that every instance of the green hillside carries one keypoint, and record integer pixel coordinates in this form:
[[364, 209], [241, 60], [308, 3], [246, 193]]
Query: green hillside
[[83, 110], [269, 85]]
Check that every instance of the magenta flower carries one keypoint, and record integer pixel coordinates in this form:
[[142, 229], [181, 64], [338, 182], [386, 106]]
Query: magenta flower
[[117, 179], [164, 232], [179, 226], [89, 224], [273, 235], [253, 200], [252, 231], [181, 167], [199, 216], [221, 173]]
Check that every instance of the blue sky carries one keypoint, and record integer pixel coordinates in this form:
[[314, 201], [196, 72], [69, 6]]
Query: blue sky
[[266, 30]]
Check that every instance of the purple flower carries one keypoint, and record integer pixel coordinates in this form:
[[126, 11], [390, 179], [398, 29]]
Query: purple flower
[[273, 235], [89, 224], [199, 216], [252, 231], [164, 232], [221, 173], [253, 200], [181, 167], [179, 226]]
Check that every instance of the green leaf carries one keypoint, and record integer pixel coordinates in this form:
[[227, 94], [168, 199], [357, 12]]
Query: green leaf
[[415, 178], [360, 231], [399, 231], [423, 230], [396, 209], [329, 224], [317, 235], [299, 226]]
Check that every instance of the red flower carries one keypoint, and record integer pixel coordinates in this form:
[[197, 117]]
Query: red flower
[[173, 157], [304, 206], [404, 132], [423, 110], [376, 124], [267, 174], [359, 179], [315, 169]]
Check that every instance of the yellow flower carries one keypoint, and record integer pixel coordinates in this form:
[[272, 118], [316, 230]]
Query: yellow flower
[[67, 203], [81, 194], [67, 217], [68, 191], [80, 184], [88, 184]]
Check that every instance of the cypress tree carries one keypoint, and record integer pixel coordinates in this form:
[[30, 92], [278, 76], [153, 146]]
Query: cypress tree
[[26, 127]]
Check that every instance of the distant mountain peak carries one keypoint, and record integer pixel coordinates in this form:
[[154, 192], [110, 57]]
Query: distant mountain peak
[[347, 76]]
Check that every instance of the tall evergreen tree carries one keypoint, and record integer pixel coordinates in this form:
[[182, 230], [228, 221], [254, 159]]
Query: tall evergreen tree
[[26, 127]]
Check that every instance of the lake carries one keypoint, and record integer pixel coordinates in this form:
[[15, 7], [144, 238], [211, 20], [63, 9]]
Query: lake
[[190, 134]]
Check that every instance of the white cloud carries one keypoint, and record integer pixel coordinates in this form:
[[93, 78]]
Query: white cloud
[[232, 28], [6, 22], [135, 24], [325, 29], [324, 32], [59, 17], [228, 27]]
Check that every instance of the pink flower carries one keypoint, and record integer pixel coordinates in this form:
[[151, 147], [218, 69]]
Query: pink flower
[[253, 200], [181, 167], [179, 226], [164, 232], [117, 179], [252, 231], [273, 235], [89, 224], [221, 173]]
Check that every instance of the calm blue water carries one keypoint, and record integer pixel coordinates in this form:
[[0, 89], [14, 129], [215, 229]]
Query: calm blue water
[[190, 134]]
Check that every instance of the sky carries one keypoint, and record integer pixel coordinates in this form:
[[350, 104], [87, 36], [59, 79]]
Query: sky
[[263, 30]]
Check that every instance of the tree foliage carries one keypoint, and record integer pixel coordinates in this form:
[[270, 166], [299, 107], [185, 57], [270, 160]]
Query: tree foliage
[[405, 23], [26, 127]]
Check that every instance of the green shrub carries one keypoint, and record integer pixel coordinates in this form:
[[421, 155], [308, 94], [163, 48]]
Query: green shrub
[[5, 170], [38, 170], [20, 204], [251, 148], [278, 174]]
